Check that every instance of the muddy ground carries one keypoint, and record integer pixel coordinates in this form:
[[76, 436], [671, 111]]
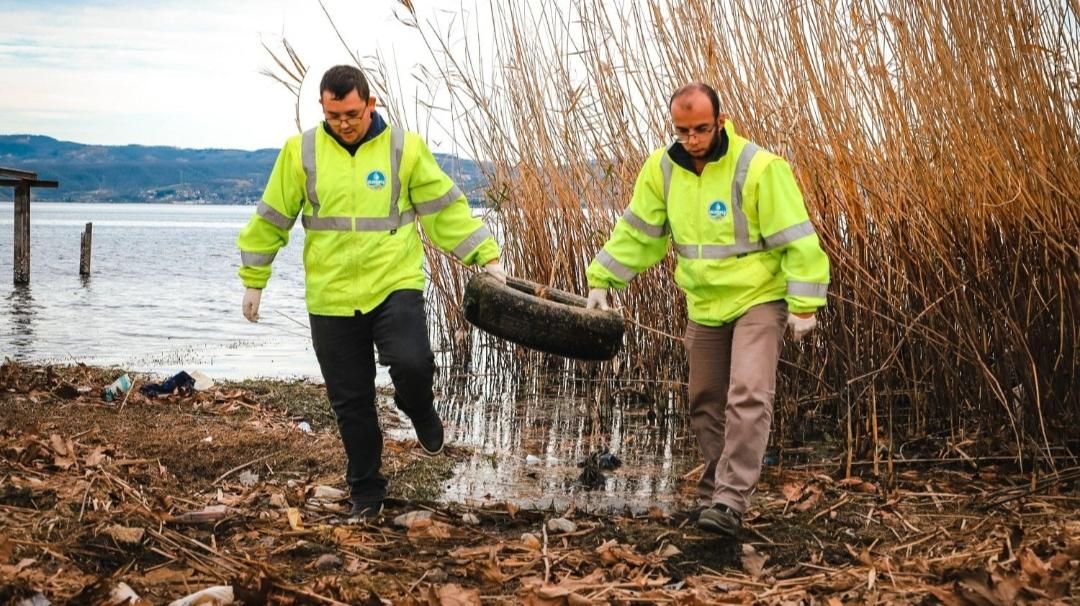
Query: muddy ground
[[168, 496]]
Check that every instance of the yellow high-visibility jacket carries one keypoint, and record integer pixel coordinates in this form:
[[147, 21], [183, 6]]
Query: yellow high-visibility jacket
[[359, 215], [740, 232]]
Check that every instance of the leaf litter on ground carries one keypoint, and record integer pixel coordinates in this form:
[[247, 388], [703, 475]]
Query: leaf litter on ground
[[99, 504]]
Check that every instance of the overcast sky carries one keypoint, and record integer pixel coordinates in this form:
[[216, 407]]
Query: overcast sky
[[181, 72]]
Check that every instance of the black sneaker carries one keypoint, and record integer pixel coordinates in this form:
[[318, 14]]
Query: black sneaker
[[365, 510], [720, 519], [429, 433]]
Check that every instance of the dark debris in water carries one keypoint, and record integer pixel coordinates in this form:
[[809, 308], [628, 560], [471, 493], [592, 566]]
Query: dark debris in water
[[592, 475]]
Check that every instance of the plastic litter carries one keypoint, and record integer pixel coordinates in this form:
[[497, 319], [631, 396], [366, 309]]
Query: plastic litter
[[211, 596], [38, 599], [202, 382], [117, 387], [122, 595], [181, 383]]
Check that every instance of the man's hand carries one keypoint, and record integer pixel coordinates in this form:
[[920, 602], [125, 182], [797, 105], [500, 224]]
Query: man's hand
[[597, 299], [800, 324], [495, 270], [250, 306]]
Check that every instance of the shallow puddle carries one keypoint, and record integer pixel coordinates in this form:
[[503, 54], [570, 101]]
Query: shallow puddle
[[531, 449]]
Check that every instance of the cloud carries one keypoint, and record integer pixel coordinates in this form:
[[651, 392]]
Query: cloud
[[121, 72], [182, 73]]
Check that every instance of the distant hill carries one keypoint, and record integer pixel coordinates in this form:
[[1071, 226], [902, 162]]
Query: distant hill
[[137, 173]]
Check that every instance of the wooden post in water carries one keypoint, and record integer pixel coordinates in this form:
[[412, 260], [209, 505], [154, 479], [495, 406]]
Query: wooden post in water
[[22, 181], [84, 251], [22, 233]]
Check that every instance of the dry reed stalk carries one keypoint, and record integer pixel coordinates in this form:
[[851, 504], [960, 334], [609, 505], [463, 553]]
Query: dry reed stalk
[[936, 145]]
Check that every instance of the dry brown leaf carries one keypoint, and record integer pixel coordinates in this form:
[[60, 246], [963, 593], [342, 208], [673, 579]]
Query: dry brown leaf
[[530, 541], [1008, 589], [792, 490], [167, 576], [7, 549], [63, 462], [512, 509], [475, 552], [58, 445], [296, 522], [810, 501], [1060, 562], [534, 599], [1032, 566], [419, 526], [492, 573], [555, 595], [975, 586], [624, 553], [752, 561], [125, 535], [433, 529], [454, 595], [96, 458], [645, 581]]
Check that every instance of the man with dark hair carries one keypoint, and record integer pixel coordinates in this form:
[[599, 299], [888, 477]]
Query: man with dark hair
[[751, 266], [358, 185]]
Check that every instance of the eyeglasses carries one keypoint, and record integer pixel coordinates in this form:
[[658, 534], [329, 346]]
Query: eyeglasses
[[352, 118], [343, 121], [685, 134]]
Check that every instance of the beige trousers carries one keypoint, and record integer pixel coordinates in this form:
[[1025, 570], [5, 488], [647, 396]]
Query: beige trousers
[[732, 383]]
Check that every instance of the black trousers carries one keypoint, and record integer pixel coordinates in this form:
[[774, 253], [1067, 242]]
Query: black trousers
[[345, 348]]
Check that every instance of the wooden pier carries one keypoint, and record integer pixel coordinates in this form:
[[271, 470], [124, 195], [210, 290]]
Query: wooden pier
[[22, 181]]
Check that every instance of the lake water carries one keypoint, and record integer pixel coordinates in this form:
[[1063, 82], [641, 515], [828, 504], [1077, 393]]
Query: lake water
[[163, 296]]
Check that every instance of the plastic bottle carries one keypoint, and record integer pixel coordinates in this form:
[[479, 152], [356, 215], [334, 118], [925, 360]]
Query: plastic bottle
[[117, 387]]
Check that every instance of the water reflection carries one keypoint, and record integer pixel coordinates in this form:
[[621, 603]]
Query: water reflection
[[22, 314], [528, 441]]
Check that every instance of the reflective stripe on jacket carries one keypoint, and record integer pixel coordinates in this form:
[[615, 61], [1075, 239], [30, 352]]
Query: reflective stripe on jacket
[[740, 232], [359, 215]]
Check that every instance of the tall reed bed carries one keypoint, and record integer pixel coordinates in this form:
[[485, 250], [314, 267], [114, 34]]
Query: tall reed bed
[[937, 146]]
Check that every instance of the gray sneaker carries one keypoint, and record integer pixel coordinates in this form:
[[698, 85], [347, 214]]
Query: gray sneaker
[[720, 519]]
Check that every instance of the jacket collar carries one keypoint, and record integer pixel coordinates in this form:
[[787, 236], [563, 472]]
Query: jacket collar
[[719, 149]]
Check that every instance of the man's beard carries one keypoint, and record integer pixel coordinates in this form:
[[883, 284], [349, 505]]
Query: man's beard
[[710, 149]]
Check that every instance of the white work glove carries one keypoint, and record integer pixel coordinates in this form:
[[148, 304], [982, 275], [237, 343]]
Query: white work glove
[[495, 270], [597, 299], [800, 326], [250, 306]]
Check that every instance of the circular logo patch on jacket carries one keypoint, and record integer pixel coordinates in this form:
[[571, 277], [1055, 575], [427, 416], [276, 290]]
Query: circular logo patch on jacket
[[717, 210], [376, 180]]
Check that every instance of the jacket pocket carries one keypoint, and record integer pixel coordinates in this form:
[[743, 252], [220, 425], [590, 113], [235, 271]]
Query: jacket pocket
[[732, 274]]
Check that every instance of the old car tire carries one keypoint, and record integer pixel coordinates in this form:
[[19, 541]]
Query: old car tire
[[543, 318]]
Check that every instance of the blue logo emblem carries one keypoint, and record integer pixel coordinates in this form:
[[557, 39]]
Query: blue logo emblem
[[376, 180], [717, 210]]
